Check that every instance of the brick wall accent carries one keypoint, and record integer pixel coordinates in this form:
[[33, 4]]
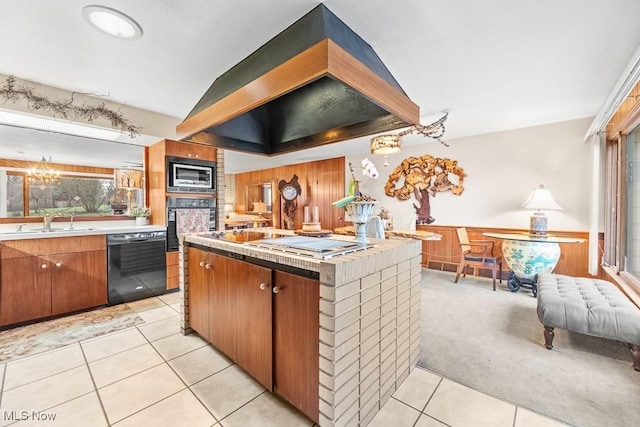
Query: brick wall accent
[[369, 334]]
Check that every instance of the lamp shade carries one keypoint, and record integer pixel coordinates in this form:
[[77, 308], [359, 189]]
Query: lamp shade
[[541, 199], [385, 144], [130, 179]]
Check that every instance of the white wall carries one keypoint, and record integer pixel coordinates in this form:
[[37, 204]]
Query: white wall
[[502, 168]]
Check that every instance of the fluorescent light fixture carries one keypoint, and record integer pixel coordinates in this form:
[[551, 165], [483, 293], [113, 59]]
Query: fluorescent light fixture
[[112, 22], [52, 125]]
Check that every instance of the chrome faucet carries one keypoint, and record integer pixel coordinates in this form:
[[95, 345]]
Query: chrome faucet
[[73, 215], [19, 227], [47, 220]]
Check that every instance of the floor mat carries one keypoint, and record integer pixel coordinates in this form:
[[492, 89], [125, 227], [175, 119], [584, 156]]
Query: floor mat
[[48, 335]]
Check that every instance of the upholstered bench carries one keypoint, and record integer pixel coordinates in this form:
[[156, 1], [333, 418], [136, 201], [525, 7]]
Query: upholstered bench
[[588, 306]]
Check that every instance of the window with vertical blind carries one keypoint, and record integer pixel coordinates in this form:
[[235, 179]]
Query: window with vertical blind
[[631, 189], [622, 207]]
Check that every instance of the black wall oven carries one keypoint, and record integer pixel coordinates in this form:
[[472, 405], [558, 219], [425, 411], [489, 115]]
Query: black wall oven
[[190, 175], [177, 203]]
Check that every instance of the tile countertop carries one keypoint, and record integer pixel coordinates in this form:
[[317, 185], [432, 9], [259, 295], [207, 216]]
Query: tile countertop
[[33, 230], [382, 252]]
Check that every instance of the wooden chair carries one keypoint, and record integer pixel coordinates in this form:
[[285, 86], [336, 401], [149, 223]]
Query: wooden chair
[[477, 253]]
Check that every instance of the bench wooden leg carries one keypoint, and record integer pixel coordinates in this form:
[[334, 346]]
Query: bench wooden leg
[[548, 337], [635, 354]]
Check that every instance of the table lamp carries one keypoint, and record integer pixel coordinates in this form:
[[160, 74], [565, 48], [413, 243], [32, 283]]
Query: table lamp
[[128, 179], [540, 200]]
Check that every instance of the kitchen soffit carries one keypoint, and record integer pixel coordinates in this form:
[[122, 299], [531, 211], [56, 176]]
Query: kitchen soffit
[[315, 83]]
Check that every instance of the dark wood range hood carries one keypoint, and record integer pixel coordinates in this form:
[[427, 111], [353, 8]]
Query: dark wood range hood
[[315, 83]]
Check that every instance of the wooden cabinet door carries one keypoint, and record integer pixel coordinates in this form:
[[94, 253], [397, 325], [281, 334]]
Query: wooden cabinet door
[[254, 344], [25, 289], [78, 281], [190, 150], [198, 291], [296, 340], [173, 270], [222, 330]]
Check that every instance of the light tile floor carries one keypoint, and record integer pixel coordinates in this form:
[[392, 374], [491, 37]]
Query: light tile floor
[[151, 375]]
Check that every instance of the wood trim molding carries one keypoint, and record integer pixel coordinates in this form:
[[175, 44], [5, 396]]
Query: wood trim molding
[[626, 116], [302, 68], [355, 74], [323, 58], [21, 164], [444, 254], [625, 283]]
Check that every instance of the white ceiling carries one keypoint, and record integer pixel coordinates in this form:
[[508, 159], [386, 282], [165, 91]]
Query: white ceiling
[[496, 64]]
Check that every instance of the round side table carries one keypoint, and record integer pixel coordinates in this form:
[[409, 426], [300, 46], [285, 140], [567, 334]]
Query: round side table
[[527, 256]]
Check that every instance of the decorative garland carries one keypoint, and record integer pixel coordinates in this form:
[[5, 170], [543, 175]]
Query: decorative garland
[[65, 108]]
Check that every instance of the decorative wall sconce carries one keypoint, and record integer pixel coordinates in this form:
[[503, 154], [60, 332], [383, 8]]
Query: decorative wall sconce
[[540, 200], [129, 179]]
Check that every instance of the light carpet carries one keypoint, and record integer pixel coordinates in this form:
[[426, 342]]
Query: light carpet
[[48, 335], [493, 342]]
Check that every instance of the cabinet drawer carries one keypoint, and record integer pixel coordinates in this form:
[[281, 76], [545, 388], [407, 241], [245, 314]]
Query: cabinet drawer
[[29, 247]]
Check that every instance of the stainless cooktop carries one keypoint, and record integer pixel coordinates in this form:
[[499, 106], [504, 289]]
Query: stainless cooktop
[[314, 247]]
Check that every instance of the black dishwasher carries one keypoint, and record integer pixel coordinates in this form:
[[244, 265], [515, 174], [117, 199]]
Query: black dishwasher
[[137, 265]]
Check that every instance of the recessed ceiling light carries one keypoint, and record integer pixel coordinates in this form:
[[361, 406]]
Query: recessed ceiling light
[[112, 22]]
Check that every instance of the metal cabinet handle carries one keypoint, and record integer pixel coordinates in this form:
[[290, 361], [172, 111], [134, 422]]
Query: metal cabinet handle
[[276, 289], [58, 264], [263, 286], [43, 265], [202, 263]]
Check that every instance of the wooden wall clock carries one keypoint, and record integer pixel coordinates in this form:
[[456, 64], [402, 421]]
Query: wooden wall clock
[[289, 192]]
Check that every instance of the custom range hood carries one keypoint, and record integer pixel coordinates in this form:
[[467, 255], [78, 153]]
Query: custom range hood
[[315, 83]]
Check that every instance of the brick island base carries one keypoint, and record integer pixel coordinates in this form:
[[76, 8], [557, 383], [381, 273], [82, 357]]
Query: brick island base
[[369, 322]]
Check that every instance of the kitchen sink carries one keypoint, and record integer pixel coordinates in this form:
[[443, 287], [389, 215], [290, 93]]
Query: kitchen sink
[[67, 229], [42, 231]]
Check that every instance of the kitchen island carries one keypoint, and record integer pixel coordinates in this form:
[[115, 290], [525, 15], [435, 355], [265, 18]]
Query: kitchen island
[[335, 337]]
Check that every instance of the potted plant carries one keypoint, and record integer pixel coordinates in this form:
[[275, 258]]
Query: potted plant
[[142, 214], [358, 206]]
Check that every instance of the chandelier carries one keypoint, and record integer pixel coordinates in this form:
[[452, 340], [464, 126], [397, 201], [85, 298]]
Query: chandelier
[[129, 179], [43, 174], [385, 144], [390, 143]]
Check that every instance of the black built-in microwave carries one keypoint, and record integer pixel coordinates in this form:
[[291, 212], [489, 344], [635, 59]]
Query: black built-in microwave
[[190, 175]]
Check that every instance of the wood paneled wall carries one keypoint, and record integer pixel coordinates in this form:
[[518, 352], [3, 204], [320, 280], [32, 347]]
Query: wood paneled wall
[[322, 182], [7, 163], [445, 254]]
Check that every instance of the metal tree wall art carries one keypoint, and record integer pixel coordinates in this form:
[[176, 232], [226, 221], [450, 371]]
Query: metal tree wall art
[[425, 176]]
